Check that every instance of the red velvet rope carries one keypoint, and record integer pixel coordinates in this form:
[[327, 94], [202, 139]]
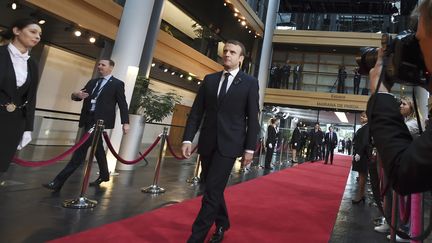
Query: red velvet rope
[[173, 153], [55, 159], [129, 162], [405, 208]]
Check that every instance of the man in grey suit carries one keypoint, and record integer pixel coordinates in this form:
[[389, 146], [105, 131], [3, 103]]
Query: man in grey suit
[[227, 106]]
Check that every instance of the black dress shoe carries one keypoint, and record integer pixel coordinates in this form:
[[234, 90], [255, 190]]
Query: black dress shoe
[[218, 235], [97, 182], [55, 186]]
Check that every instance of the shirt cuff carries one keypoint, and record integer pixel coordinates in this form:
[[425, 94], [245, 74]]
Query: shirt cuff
[[249, 151], [189, 142]]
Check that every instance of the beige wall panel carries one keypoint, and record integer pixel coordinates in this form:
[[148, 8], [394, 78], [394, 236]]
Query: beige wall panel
[[83, 14], [313, 99], [109, 7], [327, 38]]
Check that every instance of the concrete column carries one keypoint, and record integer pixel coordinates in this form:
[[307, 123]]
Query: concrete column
[[267, 48], [126, 54]]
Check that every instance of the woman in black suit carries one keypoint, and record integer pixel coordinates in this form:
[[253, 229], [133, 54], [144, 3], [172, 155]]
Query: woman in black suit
[[18, 85], [361, 157]]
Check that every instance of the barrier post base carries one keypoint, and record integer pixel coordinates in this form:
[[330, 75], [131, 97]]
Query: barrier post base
[[194, 180], [80, 203], [153, 189]]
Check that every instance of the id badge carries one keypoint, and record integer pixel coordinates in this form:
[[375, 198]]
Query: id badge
[[93, 101]]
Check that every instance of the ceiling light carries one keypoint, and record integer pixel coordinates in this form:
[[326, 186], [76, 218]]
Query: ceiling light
[[189, 78], [14, 5], [225, 4], [77, 33], [235, 14], [181, 75], [250, 31], [342, 117], [199, 82], [41, 21], [243, 23], [153, 64], [236, 10], [172, 73], [165, 70]]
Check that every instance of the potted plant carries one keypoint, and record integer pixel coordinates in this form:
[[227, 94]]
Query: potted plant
[[146, 106]]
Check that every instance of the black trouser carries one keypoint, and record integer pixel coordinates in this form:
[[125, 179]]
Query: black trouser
[[268, 157], [330, 150], [213, 207], [79, 156]]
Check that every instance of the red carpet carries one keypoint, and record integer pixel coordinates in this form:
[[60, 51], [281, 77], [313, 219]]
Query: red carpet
[[298, 204]]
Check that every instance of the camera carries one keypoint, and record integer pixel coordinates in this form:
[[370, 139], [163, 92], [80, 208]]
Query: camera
[[405, 62]]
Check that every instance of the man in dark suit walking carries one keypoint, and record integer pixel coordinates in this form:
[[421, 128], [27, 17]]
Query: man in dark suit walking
[[227, 105], [100, 97], [330, 142]]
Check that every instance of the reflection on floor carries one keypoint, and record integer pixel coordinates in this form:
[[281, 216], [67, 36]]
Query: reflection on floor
[[30, 213]]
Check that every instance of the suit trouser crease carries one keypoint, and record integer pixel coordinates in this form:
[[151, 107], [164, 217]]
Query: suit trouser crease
[[78, 158], [213, 208]]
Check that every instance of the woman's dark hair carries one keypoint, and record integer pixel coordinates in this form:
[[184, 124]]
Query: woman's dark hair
[[20, 24]]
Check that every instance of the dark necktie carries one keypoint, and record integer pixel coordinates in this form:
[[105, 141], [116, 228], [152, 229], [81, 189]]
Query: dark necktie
[[223, 89], [97, 89]]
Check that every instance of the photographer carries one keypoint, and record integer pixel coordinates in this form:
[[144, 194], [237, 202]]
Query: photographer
[[407, 162]]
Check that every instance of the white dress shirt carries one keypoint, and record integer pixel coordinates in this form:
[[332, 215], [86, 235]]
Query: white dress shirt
[[232, 73], [19, 61]]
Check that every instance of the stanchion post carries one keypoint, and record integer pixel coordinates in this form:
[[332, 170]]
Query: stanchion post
[[281, 151], [195, 179], [154, 188], [82, 202]]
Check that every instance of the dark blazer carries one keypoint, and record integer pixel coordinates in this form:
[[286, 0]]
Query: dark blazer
[[332, 144], [361, 143], [112, 93], [407, 163], [231, 126], [296, 137], [8, 86], [271, 135]]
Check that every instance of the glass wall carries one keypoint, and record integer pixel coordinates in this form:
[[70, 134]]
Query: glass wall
[[343, 22]]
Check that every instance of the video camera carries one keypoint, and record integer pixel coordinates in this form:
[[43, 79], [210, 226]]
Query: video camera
[[405, 62]]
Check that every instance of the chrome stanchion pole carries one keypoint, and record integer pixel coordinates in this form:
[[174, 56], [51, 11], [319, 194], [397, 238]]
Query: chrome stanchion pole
[[154, 188], [82, 202], [261, 154], [281, 152], [195, 179]]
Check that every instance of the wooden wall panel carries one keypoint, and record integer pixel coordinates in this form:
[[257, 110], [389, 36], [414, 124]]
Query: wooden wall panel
[[314, 99], [87, 15], [251, 18], [327, 38]]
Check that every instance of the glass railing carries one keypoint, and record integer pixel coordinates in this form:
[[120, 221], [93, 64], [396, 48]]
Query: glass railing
[[259, 7], [342, 22]]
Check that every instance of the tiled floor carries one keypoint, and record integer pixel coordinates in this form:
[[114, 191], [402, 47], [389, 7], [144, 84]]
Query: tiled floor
[[31, 213]]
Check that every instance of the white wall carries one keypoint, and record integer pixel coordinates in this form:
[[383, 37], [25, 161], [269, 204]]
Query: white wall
[[63, 74]]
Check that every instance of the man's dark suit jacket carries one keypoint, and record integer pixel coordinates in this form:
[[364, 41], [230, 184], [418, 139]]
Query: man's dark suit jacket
[[271, 135], [407, 163], [333, 142], [230, 126], [8, 85], [112, 93]]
